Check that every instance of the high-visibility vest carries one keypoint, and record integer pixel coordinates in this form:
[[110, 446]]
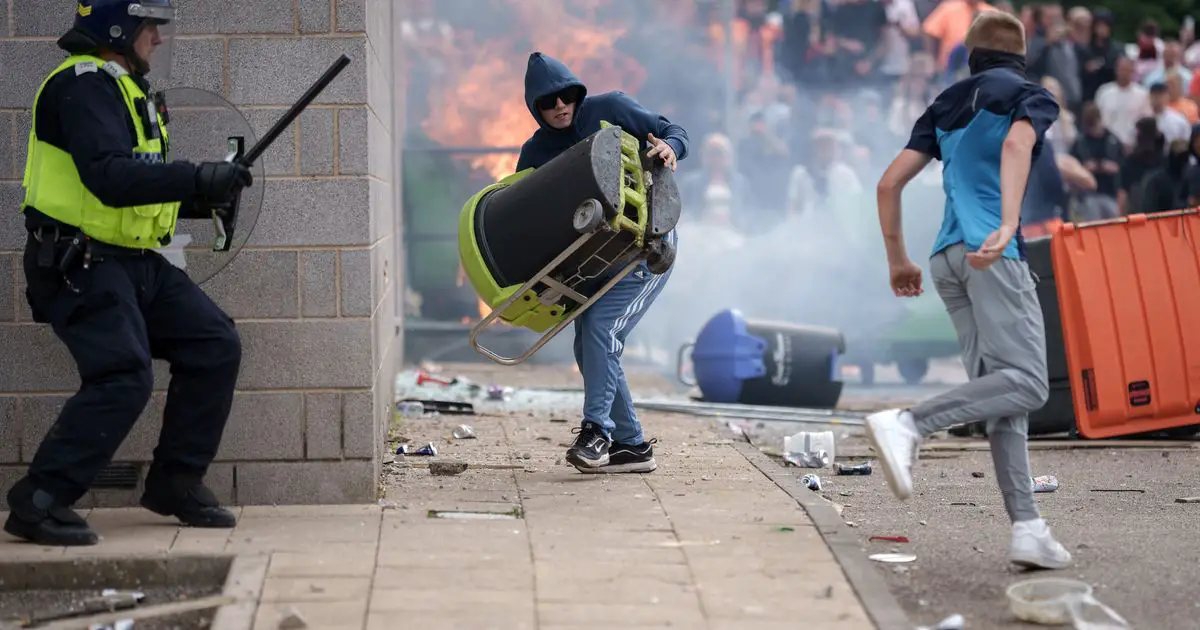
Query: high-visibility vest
[[53, 186]]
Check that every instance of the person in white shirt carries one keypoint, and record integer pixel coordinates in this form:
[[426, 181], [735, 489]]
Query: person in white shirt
[[1122, 103], [1173, 125], [1172, 58]]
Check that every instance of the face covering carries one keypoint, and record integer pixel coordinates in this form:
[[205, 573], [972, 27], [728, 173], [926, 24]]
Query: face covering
[[982, 59]]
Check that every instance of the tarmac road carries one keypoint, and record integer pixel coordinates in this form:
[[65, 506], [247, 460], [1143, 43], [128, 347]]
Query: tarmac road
[[1137, 549]]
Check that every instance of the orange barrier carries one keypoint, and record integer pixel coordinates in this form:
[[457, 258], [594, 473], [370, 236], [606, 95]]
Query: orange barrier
[[1129, 294]]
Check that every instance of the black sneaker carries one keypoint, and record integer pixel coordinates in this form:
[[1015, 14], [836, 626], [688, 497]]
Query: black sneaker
[[40, 518], [590, 449], [187, 500], [628, 458]]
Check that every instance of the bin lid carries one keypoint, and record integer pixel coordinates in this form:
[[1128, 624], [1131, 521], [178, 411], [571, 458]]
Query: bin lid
[[725, 355]]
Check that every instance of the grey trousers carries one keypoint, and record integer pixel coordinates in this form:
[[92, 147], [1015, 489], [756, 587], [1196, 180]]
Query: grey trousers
[[1003, 339]]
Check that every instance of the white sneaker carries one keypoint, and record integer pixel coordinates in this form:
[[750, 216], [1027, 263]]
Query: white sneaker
[[895, 438], [1033, 547]]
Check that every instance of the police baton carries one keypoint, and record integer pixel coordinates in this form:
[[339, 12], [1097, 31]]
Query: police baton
[[225, 221]]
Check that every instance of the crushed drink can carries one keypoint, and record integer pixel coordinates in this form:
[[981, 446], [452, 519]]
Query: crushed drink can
[[860, 469], [463, 432], [812, 481], [429, 450]]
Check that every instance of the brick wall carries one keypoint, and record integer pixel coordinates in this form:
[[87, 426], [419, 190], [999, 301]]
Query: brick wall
[[313, 293]]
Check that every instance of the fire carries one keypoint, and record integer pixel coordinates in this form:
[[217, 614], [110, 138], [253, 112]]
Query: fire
[[483, 103]]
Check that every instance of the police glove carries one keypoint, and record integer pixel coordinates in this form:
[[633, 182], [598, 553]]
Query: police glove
[[217, 182]]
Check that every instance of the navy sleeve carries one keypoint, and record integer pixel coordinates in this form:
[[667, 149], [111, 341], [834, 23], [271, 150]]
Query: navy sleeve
[[924, 136], [1041, 110], [641, 122], [96, 131]]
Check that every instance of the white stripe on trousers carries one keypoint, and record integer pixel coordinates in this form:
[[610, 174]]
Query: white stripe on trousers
[[637, 304]]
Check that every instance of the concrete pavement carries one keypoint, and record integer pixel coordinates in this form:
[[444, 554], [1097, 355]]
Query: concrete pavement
[[707, 541]]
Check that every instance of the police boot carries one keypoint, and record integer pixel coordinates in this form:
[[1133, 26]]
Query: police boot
[[40, 518], [186, 498]]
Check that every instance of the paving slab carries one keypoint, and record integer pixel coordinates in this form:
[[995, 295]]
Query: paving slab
[[707, 541]]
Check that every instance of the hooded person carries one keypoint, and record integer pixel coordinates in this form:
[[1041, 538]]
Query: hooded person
[[610, 437]]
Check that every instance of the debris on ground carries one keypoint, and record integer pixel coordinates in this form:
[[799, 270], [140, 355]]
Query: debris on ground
[[953, 622], [863, 469], [895, 539], [978, 474], [1188, 500], [893, 558], [387, 504], [1138, 490], [447, 469], [809, 449], [428, 450], [464, 432], [499, 392], [812, 481], [1055, 601], [293, 620], [1045, 483]]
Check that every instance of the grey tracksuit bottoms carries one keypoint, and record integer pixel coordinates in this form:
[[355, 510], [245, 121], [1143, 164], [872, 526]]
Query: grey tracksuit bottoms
[[1003, 338]]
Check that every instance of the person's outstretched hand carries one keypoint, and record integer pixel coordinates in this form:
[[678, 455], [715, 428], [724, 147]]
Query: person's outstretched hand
[[662, 150]]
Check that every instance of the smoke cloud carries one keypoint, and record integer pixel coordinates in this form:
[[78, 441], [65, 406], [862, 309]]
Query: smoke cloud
[[824, 265]]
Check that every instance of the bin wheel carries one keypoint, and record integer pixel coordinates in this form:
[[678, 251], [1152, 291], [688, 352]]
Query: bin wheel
[[661, 257], [588, 216], [913, 371]]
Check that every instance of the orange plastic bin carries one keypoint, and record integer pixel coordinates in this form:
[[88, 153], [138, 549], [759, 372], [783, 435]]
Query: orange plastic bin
[[1129, 294]]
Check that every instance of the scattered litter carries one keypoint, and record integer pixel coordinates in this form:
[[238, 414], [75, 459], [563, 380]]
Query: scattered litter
[[785, 529], [978, 475], [464, 432], [893, 558], [526, 455], [447, 469], [293, 620], [922, 522], [1045, 483], [1188, 500], [387, 504], [1138, 490], [863, 469], [895, 539], [122, 624], [544, 438], [953, 622], [428, 450], [499, 392], [812, 481], [809, 449], [558, 420], [467, 515], [845, 493], [963, 504], [1061, 601], [850, 523], [448, 407]]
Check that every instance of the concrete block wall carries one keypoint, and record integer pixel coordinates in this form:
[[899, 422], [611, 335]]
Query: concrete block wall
[[313, 293]]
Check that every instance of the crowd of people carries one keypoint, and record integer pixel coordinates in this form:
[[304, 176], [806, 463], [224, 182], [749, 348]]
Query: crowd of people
[[828, 90]]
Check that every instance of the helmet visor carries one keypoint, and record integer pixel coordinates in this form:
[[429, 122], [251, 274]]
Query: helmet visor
[[159, 16]]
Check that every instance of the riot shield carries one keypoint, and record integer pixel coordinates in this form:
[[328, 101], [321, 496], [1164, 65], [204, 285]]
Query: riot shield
[[204, 127]]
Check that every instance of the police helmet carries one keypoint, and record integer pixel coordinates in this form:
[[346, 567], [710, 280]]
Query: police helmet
[[116, 24]]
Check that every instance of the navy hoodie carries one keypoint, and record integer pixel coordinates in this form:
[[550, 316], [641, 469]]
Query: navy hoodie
[[545, 75]]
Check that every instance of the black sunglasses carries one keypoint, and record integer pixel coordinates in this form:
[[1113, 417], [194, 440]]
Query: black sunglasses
[[550, 101]]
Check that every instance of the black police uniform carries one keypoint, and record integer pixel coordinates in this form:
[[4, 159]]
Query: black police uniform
[[115, 314]]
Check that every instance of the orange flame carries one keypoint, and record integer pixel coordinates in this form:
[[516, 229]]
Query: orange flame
[[484, 103]]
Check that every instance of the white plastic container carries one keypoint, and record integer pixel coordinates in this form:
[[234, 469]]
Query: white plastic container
[[810, 449], [1061, 602]]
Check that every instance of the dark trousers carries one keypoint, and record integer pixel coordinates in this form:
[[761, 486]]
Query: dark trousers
[[114, 317]]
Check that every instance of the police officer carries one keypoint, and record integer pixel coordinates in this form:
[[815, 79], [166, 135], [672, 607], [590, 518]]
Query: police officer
[[100, 196]]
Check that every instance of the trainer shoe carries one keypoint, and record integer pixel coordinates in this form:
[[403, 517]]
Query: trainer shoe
[[895, 438], [590, 449], [38, 517], [628, 458], [1033, 547]]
